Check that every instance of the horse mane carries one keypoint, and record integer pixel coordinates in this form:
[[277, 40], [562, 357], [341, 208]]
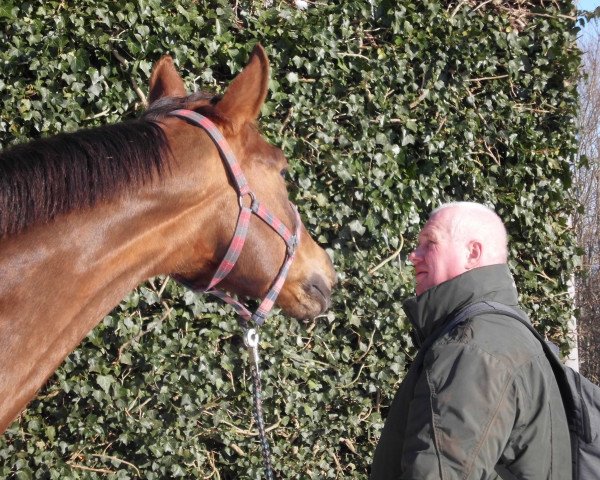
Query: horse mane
[[70, 171]]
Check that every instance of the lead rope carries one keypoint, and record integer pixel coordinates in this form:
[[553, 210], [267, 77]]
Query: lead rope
[[251, 341]]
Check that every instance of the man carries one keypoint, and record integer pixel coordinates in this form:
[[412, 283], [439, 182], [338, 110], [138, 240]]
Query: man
[[484, 401]]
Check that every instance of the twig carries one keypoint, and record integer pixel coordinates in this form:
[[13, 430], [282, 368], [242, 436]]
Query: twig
[[90, 469], [49, 396], [481, 5], [481, 79], [237, 450], [368, 347], [455, 11], [355, 380], [391, 120], [211, 461], [164, 285], [357, 55], [349, 444], [116, 459], [331, 355], [338, 466], [103, 113], [547, 15], [442, 123], [135, 85], [491, 154], [472, 154], [419, 100], [545, 276], [286, 120], [390, 258], [362, 418]]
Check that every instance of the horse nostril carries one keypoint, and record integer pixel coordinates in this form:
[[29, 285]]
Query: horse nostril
[[319, 287]]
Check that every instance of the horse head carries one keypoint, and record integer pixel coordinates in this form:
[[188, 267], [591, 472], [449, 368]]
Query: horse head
[[307, 289]]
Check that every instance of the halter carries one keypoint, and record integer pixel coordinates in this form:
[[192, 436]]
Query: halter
[[241, 230], [233, 252]]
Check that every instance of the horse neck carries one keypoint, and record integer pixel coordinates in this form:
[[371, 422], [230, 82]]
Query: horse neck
[[60, 279]]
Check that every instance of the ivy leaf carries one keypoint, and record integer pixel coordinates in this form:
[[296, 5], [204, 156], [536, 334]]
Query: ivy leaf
[[105, 382]]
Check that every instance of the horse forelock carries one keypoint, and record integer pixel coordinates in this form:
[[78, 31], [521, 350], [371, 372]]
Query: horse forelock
[[200, 102]]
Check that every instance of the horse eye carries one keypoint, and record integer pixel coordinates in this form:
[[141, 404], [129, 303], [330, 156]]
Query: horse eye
[[283, 172]]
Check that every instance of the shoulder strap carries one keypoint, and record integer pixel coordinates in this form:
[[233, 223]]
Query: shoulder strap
[[457, 319], [488, 307], [471, 311]]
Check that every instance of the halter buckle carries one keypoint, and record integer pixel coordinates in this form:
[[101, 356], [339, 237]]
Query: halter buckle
[[292, 245]]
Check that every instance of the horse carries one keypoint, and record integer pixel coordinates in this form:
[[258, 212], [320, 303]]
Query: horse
[[87, 216]]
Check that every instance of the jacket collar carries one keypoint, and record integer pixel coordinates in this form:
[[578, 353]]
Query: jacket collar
[[430, 310]]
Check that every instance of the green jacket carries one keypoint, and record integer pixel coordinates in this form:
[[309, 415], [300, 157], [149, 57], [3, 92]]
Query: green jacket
[[484, 400]]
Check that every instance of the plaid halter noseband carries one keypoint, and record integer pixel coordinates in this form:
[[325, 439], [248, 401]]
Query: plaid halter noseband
[[241, 230]]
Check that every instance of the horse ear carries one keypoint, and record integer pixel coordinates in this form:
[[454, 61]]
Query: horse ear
[[247, 92], [165, 81]]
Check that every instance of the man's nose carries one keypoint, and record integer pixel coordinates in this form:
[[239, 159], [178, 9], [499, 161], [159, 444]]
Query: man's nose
[[412, 255]]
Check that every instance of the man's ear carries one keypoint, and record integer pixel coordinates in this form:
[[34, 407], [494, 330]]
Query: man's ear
[[474, 254]]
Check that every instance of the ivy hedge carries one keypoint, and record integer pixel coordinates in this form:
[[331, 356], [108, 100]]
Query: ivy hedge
[[385, 109]]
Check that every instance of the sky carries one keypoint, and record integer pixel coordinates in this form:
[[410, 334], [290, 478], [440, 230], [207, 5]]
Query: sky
[[588, 4]]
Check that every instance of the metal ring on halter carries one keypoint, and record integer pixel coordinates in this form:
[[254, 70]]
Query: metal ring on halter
[[251, 338], [252, 199]]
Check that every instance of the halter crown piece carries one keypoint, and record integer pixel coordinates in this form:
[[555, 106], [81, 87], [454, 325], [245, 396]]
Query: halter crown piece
[[233, 252]]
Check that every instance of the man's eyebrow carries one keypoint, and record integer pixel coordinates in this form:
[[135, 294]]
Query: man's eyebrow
[[427, 235], [434, 233]]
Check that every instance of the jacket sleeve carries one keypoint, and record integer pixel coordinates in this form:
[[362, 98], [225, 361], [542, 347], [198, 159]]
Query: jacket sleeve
[[460, 417]]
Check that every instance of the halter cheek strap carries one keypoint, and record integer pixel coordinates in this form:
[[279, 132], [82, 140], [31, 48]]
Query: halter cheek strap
[[241, 230]]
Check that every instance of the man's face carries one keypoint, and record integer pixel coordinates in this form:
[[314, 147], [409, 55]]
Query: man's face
[[438, 257]]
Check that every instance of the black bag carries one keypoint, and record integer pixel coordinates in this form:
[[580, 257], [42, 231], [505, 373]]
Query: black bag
[[581, 397]]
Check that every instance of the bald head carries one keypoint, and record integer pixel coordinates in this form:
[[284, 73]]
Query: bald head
[[458, 237], [470, 221]]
